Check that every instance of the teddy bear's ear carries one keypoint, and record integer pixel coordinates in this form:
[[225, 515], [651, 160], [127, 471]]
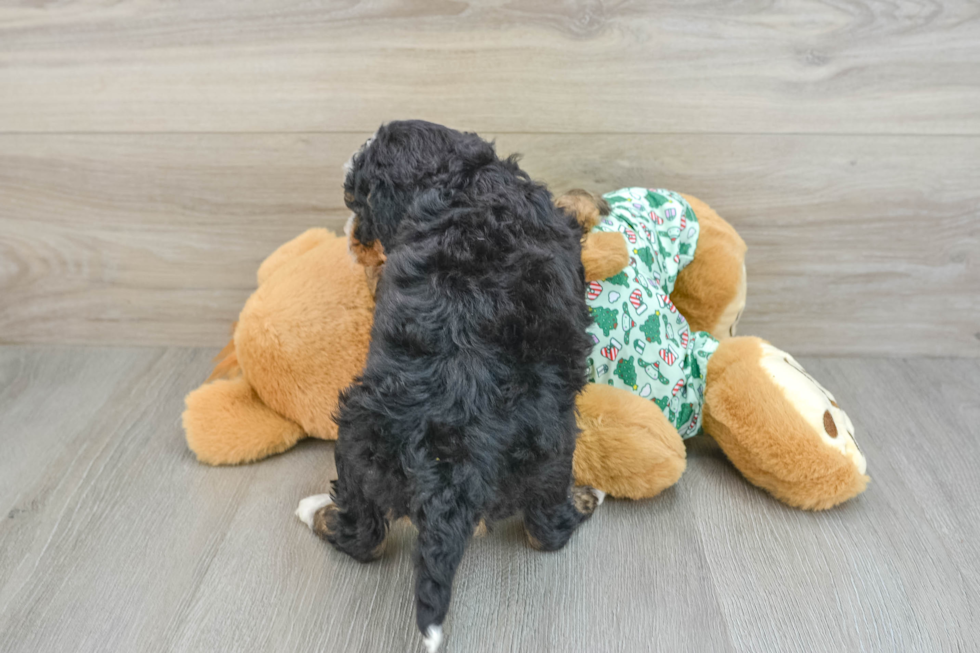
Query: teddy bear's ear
[[587, 208]]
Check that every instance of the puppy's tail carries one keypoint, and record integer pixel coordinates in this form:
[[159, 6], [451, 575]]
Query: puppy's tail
[[445, 525]]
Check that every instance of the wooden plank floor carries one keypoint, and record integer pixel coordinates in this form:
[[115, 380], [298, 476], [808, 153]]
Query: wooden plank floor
[[115, 539]]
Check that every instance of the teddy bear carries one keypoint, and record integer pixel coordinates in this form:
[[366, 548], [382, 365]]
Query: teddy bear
[[666, 286]]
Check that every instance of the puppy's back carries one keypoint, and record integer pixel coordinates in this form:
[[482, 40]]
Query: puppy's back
[[478, 350]]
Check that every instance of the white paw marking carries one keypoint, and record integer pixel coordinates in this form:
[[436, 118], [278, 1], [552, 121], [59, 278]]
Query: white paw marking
[[600, 495], [433, 638], [309, 506]]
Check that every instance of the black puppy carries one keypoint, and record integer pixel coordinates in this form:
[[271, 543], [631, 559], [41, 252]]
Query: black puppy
[[466, 408]]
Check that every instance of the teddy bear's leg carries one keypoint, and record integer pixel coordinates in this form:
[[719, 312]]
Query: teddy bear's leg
[[627, 447], [227, 424], [780, 427], [710, 290]]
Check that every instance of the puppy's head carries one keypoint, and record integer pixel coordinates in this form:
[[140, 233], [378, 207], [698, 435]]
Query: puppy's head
[[401, 163]]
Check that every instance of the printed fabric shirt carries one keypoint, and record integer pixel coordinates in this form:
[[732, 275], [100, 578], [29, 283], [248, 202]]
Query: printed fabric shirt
[[641, 342]]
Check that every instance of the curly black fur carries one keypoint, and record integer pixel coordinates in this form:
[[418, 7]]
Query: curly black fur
[[466, 407]]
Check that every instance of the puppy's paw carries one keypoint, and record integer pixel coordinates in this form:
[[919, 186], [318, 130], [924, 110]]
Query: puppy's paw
[[309, 506], [586, 499], [481, 529], [599, 495]]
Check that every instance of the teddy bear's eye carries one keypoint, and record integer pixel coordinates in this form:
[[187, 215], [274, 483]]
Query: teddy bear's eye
[[828, 424]]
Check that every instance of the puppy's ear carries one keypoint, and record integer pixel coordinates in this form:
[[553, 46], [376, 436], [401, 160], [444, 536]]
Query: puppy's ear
[[369, 255], [379, 211], [385, 210]]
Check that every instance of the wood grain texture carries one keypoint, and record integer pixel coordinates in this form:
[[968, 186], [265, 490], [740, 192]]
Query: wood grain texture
[[853, 66], [114, 538], [893, 570], [857, 244], [154, 239]]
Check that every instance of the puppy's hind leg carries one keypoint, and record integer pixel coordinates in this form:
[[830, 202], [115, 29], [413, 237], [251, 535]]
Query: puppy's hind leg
[[347, 519], [553, 507], [550, 525]]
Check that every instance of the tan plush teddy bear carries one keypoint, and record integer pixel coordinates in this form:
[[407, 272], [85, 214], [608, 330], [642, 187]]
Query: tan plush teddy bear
[[666, 288]]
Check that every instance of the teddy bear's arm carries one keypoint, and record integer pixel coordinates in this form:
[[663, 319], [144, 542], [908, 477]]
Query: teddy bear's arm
[[710, 290], [604, 254]]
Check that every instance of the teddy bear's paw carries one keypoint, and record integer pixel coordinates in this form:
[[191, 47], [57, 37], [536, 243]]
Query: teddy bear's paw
[[814, 403], [309, 506]]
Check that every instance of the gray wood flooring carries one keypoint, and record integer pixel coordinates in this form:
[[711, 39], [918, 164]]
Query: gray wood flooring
[[114, 539]]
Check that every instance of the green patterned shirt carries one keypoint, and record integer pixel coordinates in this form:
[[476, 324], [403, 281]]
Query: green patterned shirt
[[641, 341]]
